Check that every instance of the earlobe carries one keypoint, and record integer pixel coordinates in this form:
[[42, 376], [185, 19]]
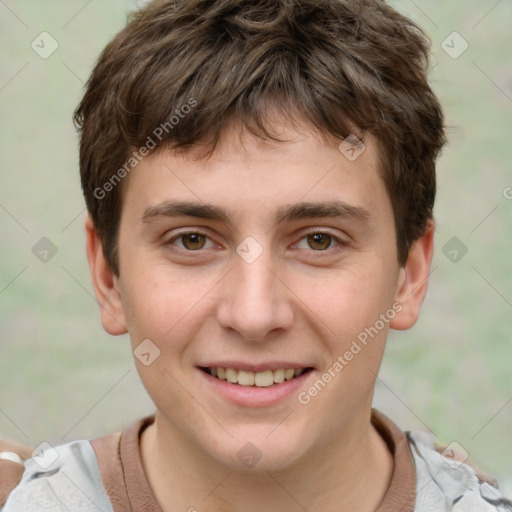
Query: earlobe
[[413, 280], [106, 285]]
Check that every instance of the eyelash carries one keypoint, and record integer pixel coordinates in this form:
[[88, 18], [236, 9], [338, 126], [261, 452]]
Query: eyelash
[[340, 242]]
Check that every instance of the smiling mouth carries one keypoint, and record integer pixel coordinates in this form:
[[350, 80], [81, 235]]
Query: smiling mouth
[[259, 379]]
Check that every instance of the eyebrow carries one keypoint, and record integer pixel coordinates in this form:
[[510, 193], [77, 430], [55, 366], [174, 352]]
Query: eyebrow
[[301, 210]]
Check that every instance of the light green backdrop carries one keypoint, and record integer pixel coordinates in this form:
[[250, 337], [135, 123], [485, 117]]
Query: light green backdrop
[[63, 378]]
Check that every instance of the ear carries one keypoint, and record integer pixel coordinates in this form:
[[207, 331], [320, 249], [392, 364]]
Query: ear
[[105, 283], [413, 280]]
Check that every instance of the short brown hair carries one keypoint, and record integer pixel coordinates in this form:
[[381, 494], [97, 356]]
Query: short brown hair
[[337, 64]]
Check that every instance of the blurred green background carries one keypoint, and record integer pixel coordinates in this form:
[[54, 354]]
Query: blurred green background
[[63, 378]]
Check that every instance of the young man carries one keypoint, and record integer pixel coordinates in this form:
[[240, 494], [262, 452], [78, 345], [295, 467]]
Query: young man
[[260, 178]]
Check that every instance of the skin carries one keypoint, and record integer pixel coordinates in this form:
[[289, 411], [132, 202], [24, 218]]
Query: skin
[[300, 300]]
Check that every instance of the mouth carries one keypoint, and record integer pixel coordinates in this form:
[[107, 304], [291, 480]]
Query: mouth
[[263, 379]]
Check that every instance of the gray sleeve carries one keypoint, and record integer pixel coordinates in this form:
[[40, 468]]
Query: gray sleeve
[[447, 485], [66, 478]]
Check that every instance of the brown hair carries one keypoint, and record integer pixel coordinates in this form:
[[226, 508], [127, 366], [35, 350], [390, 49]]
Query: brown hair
[[180, 70]]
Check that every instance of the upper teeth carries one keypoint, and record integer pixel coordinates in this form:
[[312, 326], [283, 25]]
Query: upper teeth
[[259, 379]]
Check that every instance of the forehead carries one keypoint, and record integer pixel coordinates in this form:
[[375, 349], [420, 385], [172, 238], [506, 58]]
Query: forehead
[[247, 176]]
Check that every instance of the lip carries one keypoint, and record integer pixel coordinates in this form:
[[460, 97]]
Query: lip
[[251, 396], [249, 367]]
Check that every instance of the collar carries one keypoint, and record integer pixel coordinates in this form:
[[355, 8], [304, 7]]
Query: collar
[[128, 488]]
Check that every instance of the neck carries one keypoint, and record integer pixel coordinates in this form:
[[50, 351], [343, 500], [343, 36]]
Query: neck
[[354, 472]]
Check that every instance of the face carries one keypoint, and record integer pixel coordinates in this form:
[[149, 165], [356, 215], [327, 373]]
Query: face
[[264, 258]]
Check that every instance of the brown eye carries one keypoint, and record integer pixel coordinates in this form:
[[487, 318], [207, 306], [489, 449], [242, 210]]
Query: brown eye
[[319, 241], [193, 241]]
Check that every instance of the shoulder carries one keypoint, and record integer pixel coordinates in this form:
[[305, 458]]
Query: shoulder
[[446, 480], [12, 457], [64, 477]]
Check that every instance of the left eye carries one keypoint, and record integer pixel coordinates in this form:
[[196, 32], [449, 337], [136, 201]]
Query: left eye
[[318, 241]]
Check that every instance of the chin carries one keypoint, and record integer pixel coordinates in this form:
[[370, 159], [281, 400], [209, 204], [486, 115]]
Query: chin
[[257, 451]]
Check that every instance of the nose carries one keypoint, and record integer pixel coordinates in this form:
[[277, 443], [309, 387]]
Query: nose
[[255, 301]]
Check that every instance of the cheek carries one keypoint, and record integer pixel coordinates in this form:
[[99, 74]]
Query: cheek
[[150, 309], [349, 300], [164, 306]]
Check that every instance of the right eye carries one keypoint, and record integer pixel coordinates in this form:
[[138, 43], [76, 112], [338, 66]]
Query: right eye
[[190, 241]]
